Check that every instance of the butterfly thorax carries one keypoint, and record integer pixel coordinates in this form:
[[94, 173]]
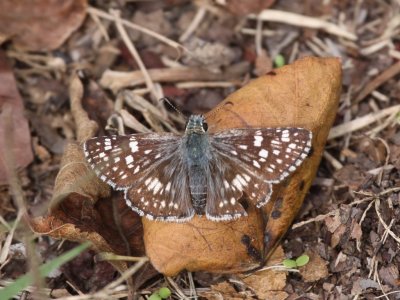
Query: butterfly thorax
[[197, 148], [196, 141]]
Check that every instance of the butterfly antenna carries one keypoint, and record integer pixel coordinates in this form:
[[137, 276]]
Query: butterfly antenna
[[166, 99], [214, 111]]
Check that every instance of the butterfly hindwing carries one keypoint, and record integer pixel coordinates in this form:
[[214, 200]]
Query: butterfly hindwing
[[222, 196], [163, 194]]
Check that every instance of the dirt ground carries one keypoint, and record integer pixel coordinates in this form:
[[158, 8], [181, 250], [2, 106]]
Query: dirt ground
[[128, 54]]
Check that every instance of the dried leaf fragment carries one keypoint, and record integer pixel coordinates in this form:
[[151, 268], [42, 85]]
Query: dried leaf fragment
[[40, 25], [14, 128], [268, 282], [83, 207], [316, 268]]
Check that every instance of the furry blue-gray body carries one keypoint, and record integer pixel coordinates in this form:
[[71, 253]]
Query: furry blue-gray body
[[197, 147]]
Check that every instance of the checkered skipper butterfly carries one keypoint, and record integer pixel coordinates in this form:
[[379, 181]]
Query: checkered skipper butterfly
[[171, 177]]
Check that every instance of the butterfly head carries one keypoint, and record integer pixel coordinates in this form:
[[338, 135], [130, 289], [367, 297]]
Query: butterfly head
[[196, 124]]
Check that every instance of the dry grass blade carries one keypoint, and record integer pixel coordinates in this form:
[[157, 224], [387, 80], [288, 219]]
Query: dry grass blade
[[391, 233], [127, 274], [116, 80], [378, 81], [102, 14], [362, 122], [198, 18], [152, 114], [202, 84], [5, 248], [111, 256], [131, 122], [315, 219], [271, 15], [333, 161], [88, 127], [177, 289], [18, 196], [135, 54], [114, 290]]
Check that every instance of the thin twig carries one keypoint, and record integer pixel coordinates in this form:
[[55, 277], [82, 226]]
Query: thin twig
[[334, 162], [362, 122], [131, 25], [177, 289], [387, 294], [391, 233], [358, 242], [378, 81], [116, 80], [265, 32], [198, 18], [315, 219], [206, 84], [103, 256], [127, 274], [18, 196], [102, 29], [6, 246], [386, 159], [193, 293], [135, 54]]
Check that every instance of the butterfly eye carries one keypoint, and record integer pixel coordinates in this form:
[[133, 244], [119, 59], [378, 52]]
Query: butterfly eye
[[205, 126]]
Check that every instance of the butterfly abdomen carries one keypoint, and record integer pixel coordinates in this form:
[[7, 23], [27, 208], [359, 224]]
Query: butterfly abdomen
[[198, 188]]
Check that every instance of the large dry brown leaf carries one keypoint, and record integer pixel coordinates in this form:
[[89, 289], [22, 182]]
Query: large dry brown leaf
[[303, 94], [14, 128], [42, 24]]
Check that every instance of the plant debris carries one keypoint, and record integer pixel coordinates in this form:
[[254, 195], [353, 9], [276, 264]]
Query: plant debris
[[74, 70]]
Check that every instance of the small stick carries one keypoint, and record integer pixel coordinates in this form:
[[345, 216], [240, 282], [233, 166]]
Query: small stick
[[204, 84], [102, 29], [177, 289], [391, 233], [362, 122], [135, 54], [198, 18], [131, 25], [334, 162], [107, 256], [378, 81], [116, 80]]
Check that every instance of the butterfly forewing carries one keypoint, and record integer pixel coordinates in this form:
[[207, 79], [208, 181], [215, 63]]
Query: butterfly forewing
[[256, 158], [122, 160], [149, 168]]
